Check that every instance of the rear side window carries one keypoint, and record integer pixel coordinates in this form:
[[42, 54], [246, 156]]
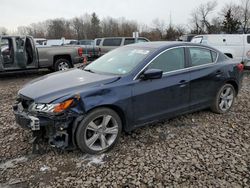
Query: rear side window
[[201, 56], [170, 60], [214, 55], [129, 41], [248, 39], [112, 42]]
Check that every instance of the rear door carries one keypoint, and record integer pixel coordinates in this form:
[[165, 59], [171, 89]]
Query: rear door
[[31, 53], [206, 76]]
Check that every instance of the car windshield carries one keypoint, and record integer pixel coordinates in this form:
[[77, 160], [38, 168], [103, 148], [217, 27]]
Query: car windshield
[[119, 61]]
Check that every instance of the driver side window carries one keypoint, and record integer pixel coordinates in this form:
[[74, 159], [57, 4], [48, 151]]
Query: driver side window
[[170, 60]]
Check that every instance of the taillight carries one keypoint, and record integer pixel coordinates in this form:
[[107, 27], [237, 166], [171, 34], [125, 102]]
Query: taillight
[[80, 51], [240, 67]]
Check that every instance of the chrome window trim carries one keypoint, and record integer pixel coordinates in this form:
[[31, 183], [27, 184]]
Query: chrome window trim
[[180, 70]]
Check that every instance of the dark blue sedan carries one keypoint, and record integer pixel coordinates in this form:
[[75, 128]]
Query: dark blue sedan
[[87, 108]]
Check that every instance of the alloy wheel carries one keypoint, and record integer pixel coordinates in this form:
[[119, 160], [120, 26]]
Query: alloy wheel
[[226, 98], [101, 132]]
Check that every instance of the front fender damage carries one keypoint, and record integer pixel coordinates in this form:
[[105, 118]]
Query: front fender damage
[[57, 131]]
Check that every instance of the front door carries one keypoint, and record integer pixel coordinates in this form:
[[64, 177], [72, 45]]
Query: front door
[[20, 52], [165, 97]]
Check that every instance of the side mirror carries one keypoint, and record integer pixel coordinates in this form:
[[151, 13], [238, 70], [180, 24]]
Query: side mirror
[[152, 74]]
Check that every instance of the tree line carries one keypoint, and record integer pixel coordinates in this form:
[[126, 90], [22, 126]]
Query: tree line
[[232, 18]]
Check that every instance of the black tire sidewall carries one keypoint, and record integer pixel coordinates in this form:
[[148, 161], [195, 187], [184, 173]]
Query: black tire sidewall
[[215, 106], [56, 68], [80, 133]]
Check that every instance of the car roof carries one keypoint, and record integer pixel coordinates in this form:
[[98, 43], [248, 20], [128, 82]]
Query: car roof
[[166, 44]]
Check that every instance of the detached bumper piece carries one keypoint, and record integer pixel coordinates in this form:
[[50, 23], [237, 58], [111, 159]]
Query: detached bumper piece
[[47, 129]]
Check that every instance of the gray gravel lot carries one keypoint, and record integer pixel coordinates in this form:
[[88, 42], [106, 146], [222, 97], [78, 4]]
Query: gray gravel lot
[[194, 150]]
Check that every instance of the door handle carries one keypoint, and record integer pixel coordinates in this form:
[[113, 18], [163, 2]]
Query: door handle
[[218, 73], [183, 83]]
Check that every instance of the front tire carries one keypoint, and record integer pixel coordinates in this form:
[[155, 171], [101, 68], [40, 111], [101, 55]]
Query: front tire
[[99, 131], [224, 99]]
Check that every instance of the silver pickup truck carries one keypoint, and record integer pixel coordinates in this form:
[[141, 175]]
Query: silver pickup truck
[[20, 53]]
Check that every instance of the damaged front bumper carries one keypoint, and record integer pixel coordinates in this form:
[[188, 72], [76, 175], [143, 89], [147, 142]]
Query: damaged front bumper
[[57, 130]]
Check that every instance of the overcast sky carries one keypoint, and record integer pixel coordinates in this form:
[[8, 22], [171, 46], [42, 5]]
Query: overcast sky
[[14, 13]]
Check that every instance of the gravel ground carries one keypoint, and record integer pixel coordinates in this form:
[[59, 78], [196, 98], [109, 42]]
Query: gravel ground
[[202, 149]]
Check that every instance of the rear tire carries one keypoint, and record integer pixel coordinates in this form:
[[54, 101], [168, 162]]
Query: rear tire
[[62, 64], [224, 99], [99, 131]]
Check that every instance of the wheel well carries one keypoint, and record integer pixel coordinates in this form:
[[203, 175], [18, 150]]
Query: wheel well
[[118, 110], [68, 57], [229, 55], [235, 85]]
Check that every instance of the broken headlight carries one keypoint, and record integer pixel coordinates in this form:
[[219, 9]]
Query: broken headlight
[[52, 108]]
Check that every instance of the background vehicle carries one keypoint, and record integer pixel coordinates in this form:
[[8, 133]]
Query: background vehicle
[[186, 38], [97, 41], [125, 89], [110, 43], [40, 41], [236, 46], [89, 49], [20, 53]]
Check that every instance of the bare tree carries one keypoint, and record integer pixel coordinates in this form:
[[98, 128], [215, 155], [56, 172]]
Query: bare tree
[[78, 26], [23, 30], [195, 23], [245, 5], [159, 27], [95, 26], [181, 30], [58, 28], [200, 17]]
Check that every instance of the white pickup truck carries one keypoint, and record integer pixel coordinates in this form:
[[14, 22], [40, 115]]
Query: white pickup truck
[[236, 46]]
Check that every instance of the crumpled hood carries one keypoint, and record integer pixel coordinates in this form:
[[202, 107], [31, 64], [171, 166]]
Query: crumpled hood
[[53, 86]]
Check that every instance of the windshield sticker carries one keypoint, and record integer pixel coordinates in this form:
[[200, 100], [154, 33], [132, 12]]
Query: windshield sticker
[[137, 51]]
